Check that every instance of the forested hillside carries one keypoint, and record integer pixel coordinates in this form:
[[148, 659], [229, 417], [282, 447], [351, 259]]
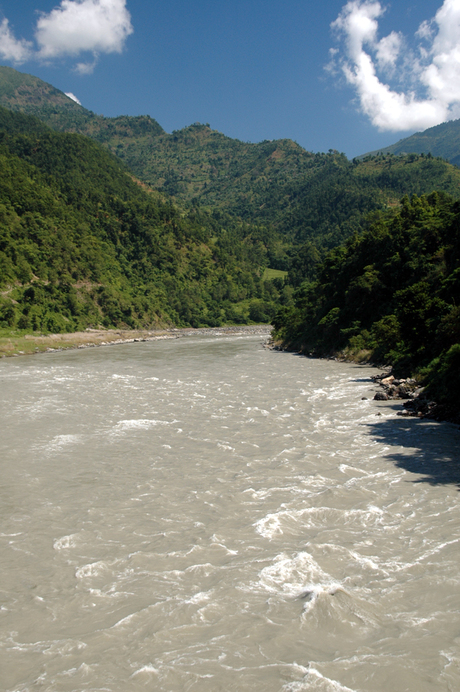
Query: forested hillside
[[442, 140], [82, 243], [90, 236], [391, 295], [302, 203], [24, 93]]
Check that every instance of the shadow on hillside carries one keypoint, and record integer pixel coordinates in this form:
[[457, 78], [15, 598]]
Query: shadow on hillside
[[424, 447]]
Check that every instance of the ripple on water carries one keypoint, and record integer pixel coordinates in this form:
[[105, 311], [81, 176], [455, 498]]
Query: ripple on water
[[206, 515]]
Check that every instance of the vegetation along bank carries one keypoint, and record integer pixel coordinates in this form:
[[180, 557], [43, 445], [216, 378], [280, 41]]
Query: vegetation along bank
[[390, 295], [113, 224]]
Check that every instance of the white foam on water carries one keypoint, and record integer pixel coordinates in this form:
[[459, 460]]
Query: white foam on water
[[314, 680], [59, 442], [285, 520], [204, 570], [299, 576], [365, 561], [65, 542], [199, 598], [124, 621], [219, 542], [58, 647], [308, 490], [92, 569], [225, 447], [139, 424], [149, 668]]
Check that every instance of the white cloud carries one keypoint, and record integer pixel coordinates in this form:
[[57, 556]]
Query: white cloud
[[428, 78], [425, 30], [388, 49], [86, 67], [72, 28], [73, 97], [12, 49], [76, 26]]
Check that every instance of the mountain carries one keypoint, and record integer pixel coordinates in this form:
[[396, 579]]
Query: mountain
[[442, 140], [27, 94], [301, 203], [83, 243]]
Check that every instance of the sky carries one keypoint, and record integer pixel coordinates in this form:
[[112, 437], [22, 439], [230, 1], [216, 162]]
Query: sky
[[353, 76]]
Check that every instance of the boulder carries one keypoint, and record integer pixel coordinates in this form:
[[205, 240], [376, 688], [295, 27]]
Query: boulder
[[387, 380]]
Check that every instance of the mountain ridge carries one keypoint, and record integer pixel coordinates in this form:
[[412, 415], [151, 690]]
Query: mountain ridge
[[441, 140], [302, 204]]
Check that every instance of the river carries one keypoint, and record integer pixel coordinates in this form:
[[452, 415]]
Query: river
[[207, 514]]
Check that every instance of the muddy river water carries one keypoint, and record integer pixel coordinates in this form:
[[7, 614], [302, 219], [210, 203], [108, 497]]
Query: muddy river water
[[206, 514]]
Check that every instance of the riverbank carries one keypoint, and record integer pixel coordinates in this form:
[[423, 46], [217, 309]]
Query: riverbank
[[20, 344], [412, 393]]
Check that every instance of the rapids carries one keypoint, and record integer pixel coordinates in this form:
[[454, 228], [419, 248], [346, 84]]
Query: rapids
[[206, 514]]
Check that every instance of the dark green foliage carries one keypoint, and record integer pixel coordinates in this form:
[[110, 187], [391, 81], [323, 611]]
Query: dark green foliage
[[302, 204], [394, 290], [82, 243], [71, 212], [443, 378]]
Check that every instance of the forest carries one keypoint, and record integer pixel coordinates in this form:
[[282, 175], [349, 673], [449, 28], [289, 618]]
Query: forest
[[113, 222], [390, 295], [82, 243]]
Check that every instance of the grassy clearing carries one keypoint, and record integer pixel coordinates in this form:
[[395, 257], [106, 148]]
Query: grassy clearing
[[270, 274], [361, 355]]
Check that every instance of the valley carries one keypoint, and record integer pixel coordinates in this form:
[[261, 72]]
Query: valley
[[113, 223]]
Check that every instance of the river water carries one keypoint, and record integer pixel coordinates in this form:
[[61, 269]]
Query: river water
[[206, 514]]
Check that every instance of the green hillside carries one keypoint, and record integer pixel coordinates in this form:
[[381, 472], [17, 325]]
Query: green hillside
[[442, 140], [27, 94], [270, 204], [301, 203], [82, 243], [308, 202], [392, 294]]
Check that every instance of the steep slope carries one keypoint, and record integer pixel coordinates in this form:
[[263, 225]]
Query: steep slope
[[82, 244], [302, 203], [442, 140], [25, 93]]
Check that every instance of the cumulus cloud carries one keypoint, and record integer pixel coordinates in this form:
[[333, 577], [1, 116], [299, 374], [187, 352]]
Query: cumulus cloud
[[76, 26], [73, 28], [399, 87], [11, 48]]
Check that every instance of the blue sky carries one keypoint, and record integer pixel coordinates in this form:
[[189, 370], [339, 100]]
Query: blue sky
[[350, 76]]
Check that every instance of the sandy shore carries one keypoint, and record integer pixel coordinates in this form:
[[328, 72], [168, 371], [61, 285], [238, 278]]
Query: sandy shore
[[18, 345]]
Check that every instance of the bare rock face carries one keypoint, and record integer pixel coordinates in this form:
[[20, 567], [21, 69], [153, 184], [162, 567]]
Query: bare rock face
[[381, 396]]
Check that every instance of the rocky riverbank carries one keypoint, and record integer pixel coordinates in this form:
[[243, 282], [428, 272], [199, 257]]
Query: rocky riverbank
[[417, 402]]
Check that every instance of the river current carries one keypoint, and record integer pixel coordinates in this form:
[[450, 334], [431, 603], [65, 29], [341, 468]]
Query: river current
[[207, 514]]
